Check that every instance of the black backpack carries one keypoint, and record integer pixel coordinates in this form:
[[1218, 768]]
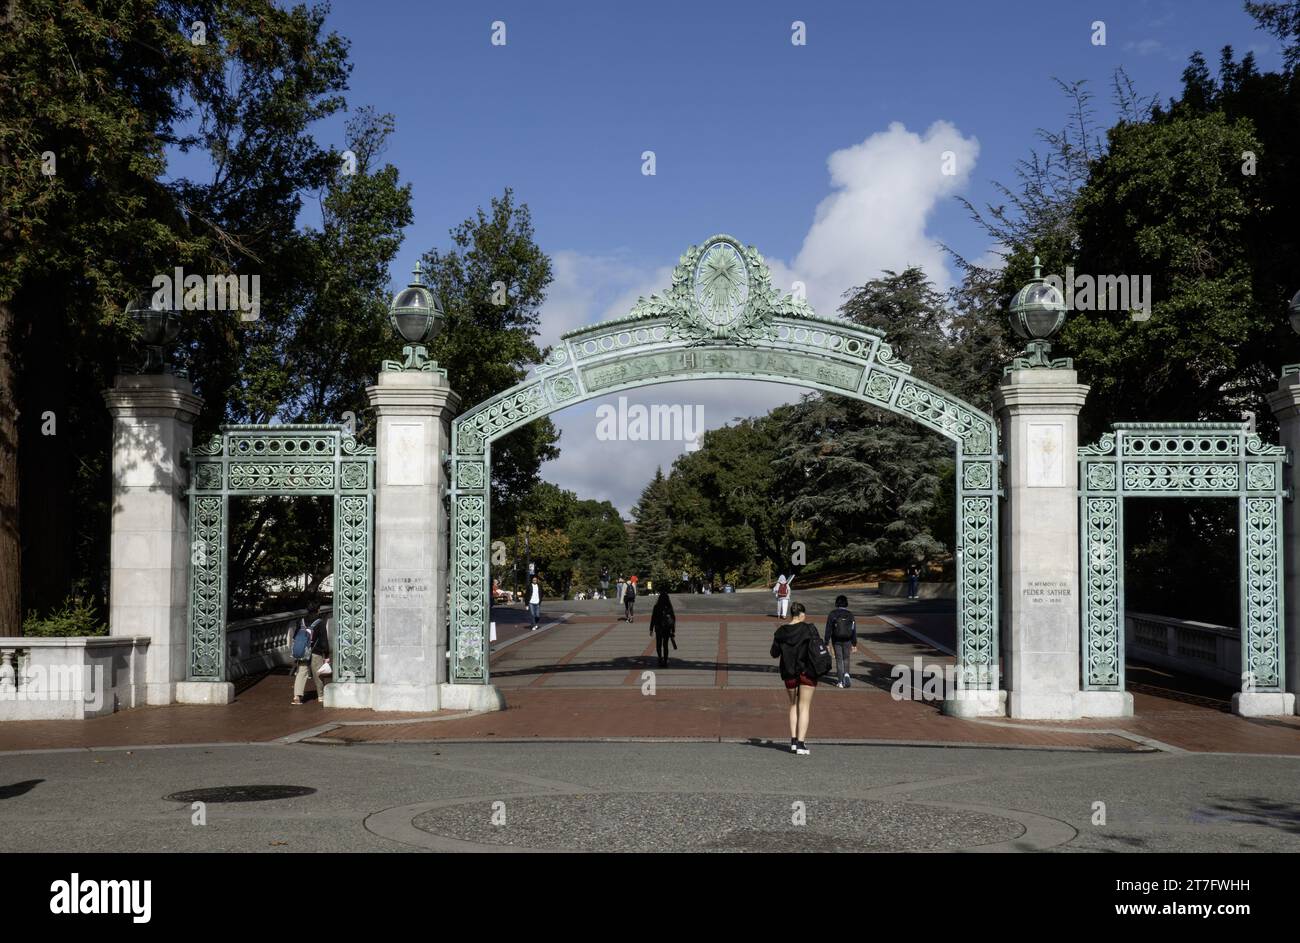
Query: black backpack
[[842, 626], [817, 656]]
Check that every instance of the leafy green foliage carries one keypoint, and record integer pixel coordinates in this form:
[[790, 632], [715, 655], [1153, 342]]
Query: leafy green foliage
[[74, 619], [490, 345], [567, 539]]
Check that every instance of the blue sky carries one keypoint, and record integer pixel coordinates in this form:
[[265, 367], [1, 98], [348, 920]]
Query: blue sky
[[742, 124]]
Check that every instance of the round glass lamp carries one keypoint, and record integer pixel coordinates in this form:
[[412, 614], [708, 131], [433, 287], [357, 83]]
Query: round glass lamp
[[417, 318], [156, 327]]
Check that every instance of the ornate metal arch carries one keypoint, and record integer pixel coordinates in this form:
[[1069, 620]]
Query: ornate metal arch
[[1166, 459], [282, 459], [722, 319]]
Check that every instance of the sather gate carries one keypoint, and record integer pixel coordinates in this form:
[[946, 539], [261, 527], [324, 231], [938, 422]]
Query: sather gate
[[722, 319]]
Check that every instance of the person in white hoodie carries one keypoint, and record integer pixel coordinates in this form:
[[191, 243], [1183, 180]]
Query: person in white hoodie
[[782, 593]]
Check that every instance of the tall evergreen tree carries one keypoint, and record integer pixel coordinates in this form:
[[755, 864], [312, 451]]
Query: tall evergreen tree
[[492, 284]]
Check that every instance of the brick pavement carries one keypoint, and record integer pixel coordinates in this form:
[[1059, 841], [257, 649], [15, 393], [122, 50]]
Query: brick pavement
[[584, 679]]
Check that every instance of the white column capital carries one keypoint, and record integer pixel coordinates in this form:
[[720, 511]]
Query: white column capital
[[153, 395], [1041, 390], [413, 393], [1285, 400]]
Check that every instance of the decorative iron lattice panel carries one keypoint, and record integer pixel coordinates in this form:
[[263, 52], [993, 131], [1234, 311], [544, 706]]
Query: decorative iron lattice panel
[[282, 460], [1175, 460], [770, 337]]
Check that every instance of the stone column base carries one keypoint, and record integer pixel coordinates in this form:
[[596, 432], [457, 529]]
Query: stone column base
[[355, 695], [472, 697], [1060, 706], [1263, 704], [159, 692], [204, 692], [976, 703], [1103, 704], [417, 698]]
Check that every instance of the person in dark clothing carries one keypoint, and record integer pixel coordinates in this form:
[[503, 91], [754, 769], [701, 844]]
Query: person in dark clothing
[[311, 636], [913, 581], [663, 626], [790, 644], [841, 637], [629, 599]]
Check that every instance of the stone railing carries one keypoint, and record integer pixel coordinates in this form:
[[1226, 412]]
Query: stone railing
[[924, 590], [71, 678], [262, 642], [1194, 648]]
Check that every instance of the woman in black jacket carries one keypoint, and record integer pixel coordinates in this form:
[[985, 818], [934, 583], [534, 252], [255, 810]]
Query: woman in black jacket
[[790, 643], [663, 626]]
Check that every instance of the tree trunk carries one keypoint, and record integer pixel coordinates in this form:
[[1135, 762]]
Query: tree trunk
[[10, 539]]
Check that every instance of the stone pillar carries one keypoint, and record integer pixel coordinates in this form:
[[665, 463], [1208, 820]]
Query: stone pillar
[[153, 426], [1285, 403], [1039, 411], [413, 409]]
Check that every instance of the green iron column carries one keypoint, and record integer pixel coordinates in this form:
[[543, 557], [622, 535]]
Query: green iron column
[[1285, 403]]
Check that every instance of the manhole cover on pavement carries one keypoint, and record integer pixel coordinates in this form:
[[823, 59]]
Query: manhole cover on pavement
[[241, 794], [640, 822]]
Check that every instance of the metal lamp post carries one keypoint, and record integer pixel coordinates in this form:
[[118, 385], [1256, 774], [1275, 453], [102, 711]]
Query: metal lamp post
[[1037, 315], [417, 318]]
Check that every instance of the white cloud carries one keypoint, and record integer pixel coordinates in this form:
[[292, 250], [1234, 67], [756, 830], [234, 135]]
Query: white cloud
[[883, 192]]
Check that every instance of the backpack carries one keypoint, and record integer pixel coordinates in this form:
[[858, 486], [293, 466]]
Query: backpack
[[842, 627], [817, 655], [302, 640], [783, 589], [630, 592]]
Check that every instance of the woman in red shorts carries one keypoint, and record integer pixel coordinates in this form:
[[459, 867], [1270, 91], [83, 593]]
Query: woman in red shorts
[[790, 644]]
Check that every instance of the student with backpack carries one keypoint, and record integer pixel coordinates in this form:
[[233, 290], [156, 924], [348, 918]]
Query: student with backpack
[[803, 660], [663, 626], [842, 636], [782, 593], [629, 598], [309, 644]]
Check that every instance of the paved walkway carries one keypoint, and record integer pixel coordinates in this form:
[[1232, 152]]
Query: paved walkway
[[596, 677]]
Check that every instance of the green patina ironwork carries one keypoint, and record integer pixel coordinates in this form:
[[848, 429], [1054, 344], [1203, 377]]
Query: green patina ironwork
[[722, 319], [248, 460], [1158, 459]]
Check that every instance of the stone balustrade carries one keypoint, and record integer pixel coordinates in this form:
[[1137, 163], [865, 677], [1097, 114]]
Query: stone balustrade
[[262, 642], [71, 678], [1194, 648]]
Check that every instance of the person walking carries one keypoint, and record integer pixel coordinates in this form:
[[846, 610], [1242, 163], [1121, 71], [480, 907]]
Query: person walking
[[663, 626], [535, 602], [782, 593], [913, 582], [629, 598], [803, 660], [842, 636], [309, 645]]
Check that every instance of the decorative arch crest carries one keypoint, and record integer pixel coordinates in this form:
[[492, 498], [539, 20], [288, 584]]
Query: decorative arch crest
[[722, 319]]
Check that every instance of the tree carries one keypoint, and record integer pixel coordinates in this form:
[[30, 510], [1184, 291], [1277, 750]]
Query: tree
[[491, 285], [654, 522], [100, 89], [865, 483], [569, 540]]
